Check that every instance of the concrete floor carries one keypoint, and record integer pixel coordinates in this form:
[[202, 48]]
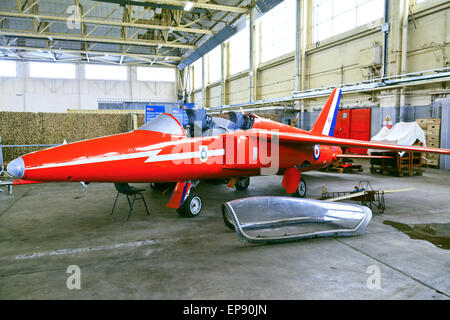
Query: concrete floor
[[45, 228]]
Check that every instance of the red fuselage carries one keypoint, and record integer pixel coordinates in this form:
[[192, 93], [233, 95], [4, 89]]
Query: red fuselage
[[150, 156]]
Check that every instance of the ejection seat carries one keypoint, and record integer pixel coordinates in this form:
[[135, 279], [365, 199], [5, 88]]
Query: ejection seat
[[241, 121], [198, 121]]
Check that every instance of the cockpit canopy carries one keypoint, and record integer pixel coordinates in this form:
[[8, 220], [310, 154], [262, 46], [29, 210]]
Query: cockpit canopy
[[164, 123], [202, 124]]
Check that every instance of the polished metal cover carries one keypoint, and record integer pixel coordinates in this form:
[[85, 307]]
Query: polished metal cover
[[277, 219]]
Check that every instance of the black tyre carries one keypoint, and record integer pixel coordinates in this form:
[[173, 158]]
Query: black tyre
[[242, 183], [301, 189], [192, 206]]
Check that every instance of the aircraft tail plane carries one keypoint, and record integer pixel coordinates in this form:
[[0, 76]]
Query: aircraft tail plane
[[326, 122]]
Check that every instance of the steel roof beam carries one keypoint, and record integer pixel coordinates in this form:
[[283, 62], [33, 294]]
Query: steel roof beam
[[207, 6], [92, 52], [110, 40], [179, 5], [150, 5], [105, 23]]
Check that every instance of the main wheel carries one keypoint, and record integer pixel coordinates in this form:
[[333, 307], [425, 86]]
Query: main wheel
[[301, 189], [242, 183], [192, 206]]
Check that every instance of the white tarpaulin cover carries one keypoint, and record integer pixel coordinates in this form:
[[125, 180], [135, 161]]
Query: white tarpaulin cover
[[402, 133]]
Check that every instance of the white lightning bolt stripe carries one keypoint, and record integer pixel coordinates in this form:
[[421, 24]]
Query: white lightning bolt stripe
[[152, 156], [185, 155], [98, 160]]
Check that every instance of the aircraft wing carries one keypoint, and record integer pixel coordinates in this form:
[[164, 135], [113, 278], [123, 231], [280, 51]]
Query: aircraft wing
[[303, 139], [363, 193], [348, 196]]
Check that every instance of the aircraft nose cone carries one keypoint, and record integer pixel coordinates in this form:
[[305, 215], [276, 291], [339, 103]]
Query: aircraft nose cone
[[16, 168]]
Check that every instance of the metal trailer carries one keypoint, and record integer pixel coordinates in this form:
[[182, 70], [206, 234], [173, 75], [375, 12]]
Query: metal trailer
[[363, 193]]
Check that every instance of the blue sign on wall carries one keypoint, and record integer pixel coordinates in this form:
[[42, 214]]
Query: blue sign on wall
[[153, 111]]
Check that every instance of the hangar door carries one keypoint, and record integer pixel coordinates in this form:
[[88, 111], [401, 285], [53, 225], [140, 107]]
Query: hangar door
[[353, 124]]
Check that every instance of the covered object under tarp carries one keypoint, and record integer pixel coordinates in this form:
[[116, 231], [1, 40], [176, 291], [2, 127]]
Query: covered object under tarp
[[402, 133], [401, 163]]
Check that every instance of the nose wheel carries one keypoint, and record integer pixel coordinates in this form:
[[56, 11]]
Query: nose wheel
[[192, 206]]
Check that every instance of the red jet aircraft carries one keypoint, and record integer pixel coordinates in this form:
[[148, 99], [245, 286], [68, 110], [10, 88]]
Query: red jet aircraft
[[161, 152]]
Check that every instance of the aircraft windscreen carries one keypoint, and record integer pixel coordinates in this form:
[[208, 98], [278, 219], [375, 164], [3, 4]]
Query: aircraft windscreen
[[221, 122], [164, 123], [221, 126]]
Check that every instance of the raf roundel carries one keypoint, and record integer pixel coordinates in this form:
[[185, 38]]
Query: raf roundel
[[203, 153], [316, 152]]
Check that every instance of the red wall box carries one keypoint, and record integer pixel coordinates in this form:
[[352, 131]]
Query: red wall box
[[354, 124]]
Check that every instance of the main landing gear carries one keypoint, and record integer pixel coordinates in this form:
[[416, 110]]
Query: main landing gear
[[301, 189], [293, 182], [242, 183]]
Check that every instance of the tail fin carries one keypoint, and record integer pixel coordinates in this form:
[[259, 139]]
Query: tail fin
[[326, 122]]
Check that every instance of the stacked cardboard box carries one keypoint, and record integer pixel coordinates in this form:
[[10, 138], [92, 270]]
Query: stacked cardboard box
[[432, 129]]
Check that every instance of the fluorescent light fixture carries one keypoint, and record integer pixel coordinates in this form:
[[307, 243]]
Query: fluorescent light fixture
[[188, 6]]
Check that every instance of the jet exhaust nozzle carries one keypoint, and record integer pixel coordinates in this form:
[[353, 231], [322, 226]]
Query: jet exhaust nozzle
[[16, 168]]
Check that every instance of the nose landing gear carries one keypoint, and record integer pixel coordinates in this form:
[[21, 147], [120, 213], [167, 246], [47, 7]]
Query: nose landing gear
[[186, 201], [191, 206]]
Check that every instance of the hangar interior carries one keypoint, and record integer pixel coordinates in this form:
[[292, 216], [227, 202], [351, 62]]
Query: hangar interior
[[72, 70]]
